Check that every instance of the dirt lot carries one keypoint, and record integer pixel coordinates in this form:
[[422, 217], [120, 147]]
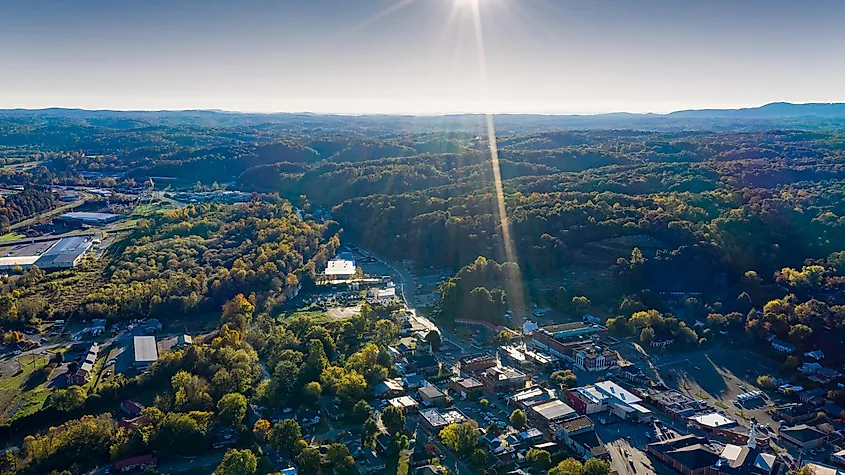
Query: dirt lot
[[343, 313]]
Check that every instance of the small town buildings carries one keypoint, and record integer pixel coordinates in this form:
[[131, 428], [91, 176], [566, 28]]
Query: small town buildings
[[802, 437], [675, 404], [434, 419], [817, 468], [608, 396], [389, 388], [502, 379], [815, 355], [688, 454], [530, 396], [546, 413], [795, 412], [146, 351], [431, 396], [782, 346], [368, 462], [423, 364], [466, 387], [86, 366], [131, 407], [592, 357], [140, 462], [414, 381], [406, 403], [579, 436], [183, 341], [475, 364]]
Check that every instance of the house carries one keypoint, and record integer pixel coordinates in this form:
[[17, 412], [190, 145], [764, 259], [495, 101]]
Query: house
[[475, 364], [423, 455], [131, 407], [809, 368], [86, 366], [802, 437], [308, 417], [406, 403], [225, 437], [369, 462], [133, 423], [415, 381], [431, 396], [782, 346], [184, 340], [502, 378], [389, 388], [140, 462], [815, 355], [431, 470], [466, 387], [814, 396], [832, 410]]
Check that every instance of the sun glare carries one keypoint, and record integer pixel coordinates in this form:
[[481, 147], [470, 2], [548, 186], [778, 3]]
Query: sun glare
[[467, 3]]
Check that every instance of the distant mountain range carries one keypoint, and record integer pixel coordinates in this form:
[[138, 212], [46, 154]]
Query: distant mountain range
[[777, 115], [769, 111]]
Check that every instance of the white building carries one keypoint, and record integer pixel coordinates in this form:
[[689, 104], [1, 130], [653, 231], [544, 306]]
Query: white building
[[339, 269]]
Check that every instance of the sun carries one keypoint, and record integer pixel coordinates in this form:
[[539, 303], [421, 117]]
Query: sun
[[467, 3]]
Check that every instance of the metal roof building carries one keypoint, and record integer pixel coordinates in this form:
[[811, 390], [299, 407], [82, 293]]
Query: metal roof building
[[90, 218], [146, 351]]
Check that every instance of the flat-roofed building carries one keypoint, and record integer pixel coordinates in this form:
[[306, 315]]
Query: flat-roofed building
[[339, 269], [146, 351], [549, 412], [95, 219], [502, 378], [406, 403]]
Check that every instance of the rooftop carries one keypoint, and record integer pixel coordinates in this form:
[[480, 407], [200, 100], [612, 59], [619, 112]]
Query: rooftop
[[581, 422], [802, 432], [86, 216], [553, 410], [403, 402], [431, 392], [503, 373], [340, 267], [714, 420], [434, 418], [146, 349]]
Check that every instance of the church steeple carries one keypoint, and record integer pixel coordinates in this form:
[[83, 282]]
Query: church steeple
[[752, 435]]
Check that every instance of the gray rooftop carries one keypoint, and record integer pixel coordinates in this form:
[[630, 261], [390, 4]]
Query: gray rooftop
[[146, 349]]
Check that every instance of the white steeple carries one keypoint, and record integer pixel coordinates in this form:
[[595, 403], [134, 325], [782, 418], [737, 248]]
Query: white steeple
[[752, 436]]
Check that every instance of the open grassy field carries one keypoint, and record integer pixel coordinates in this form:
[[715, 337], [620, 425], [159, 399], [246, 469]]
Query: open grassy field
[[25, 391], [13, 236]]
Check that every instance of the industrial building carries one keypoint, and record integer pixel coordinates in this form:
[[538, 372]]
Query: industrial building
[[59, 254], [146, 351], [93, 219], [339, 269]]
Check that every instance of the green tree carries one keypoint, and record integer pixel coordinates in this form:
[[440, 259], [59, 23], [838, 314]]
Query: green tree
[[393, 419], [285, 434], [565, 378], [311, 393], [338, 456], [568, 466], [478, 458], [232, 408], [518, 419], [385, 333], [647, 335], [261, 430], [309, 460], [434, 339], [69, 399], [460, 438], [595, 466], [580, 304], [360, 412], [539, 458], [237, 462]]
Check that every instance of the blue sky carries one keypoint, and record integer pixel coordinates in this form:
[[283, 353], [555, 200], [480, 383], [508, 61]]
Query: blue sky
[[420, 57]]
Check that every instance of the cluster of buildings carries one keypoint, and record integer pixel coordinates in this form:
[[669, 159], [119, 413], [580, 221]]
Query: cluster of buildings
[[56, 254], [693, 454], [86, 366], [576, 343]]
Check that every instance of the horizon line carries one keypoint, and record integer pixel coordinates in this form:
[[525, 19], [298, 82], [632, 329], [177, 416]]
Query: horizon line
[[413, 114]]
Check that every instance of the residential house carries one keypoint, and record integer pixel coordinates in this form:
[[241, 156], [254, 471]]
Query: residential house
[[132, 407], [795, 412], [368, 462], [423, 364], [308, 417], [431, 396], [815, 355], [406, 403], [389, 388], [86, 366], [140, 462], [782, 346]]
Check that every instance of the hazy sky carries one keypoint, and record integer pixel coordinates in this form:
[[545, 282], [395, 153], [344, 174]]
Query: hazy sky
[[371, 56]]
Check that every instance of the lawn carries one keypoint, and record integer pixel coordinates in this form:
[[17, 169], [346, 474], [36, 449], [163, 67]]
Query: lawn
[[26, 390], [13, 236]]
